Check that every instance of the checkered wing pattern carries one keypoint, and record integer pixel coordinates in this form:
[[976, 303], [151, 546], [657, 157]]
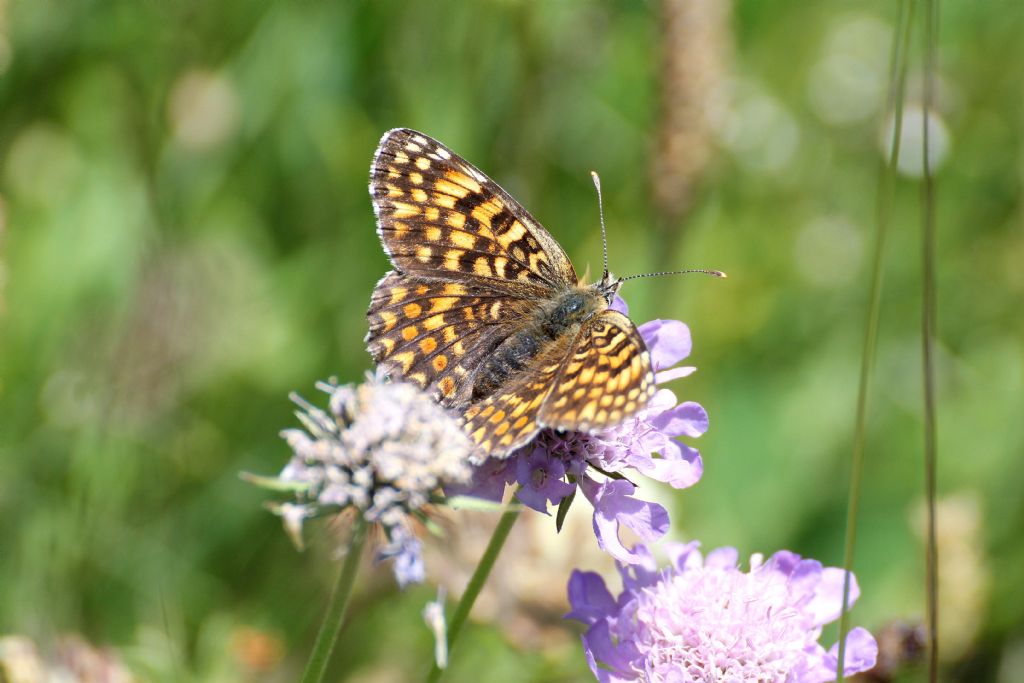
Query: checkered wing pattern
[[508, 419], [606, 379], [436, 334], [593, 381], [440, 217]]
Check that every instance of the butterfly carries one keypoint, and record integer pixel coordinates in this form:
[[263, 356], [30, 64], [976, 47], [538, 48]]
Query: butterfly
[[484, 309]]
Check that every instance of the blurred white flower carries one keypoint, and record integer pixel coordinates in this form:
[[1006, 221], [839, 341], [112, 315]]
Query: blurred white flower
[[203, 109], [42, 165], [757, 128], [964, 574], [911, 158], [847, 84], [71, 659], [433, 614]]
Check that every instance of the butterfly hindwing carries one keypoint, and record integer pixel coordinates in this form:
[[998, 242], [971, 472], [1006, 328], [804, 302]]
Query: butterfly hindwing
[[436, 334], [587, 382], [440, 217], [606, 377], [509, 418]]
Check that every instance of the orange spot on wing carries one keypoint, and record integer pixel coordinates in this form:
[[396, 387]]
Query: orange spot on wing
[[463, 181]]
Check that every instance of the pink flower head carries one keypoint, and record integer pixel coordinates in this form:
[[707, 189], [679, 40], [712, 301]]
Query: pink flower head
[[702, 619]]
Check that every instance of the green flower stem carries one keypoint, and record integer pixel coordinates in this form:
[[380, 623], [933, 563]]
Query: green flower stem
[[929, 311], [884, 199], [476, 582], [329, 630]]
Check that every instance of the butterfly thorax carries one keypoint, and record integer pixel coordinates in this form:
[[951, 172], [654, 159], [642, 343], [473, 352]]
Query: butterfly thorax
[[561, 316]]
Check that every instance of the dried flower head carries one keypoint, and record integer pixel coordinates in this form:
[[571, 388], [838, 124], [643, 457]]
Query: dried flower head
[[71, 659], [382, 448], [702, 619]]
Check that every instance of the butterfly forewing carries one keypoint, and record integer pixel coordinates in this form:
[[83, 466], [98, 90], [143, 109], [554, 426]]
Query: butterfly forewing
[[605, 378], [440, 217], [436, 334]]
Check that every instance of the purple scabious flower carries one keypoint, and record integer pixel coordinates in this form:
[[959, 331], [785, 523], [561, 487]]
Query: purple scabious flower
[[381, 449], [702, 619], [552, 466]]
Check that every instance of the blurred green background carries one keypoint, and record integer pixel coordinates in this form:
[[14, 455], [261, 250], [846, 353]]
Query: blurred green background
[[186, 236]]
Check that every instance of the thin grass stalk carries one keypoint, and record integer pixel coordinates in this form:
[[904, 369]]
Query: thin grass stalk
[[331, 626], [476, 582], [929, 311], [884, 200]]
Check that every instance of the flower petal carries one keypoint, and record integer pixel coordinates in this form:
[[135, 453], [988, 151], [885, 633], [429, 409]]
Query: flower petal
[[614, 507], [674, 373], [784, 562], [644, 572], [618, 658], [589, 597], [488, 480], [540, 479], [407, 552], [861, 653], [537, 497], [722, 558], [668, 341], [685, 556], [680, 466], [686, 419], [827, 602]]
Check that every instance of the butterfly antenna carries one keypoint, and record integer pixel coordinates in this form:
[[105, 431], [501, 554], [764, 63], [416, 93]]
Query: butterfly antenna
[[604, 235], [716, 273]]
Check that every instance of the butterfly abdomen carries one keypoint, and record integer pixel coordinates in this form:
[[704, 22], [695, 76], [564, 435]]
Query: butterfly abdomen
[[511, 356], [563, 316]]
